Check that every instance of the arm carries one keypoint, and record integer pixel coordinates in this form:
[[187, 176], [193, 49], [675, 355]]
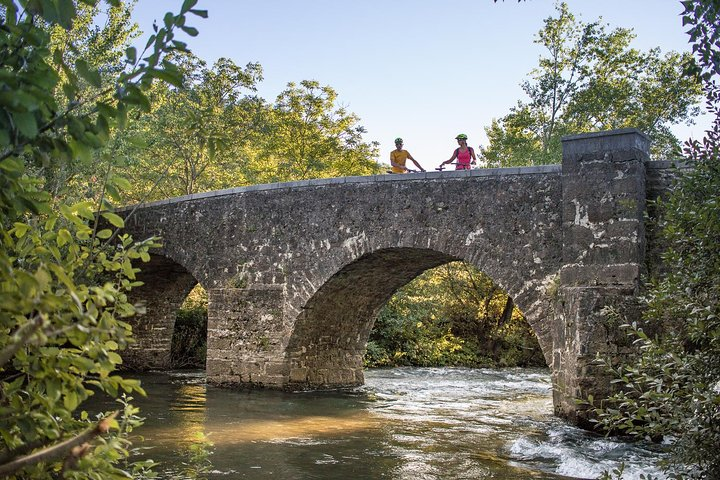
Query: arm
[[472, 154], [415, 162], [454, 156]]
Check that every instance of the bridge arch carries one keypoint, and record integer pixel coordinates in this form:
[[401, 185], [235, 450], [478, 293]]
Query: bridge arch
[[327, 343], [166, 284]]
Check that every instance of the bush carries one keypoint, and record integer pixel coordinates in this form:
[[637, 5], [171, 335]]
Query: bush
[[452, 316], [64, 277], [672, 388], [189, 342]]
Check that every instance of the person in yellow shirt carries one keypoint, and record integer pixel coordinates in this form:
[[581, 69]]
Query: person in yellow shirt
[[399, 157]]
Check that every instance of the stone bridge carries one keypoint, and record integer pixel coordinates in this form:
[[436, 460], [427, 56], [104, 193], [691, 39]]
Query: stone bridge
[[297, 272]]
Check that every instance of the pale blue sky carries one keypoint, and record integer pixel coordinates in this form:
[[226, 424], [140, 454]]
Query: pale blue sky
[[424, 70]]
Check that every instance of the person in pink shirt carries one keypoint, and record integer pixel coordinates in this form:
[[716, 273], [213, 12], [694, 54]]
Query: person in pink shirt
[[464, 155]]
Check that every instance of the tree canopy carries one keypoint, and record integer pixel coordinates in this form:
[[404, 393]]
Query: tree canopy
[[215, 132], [590, 79]]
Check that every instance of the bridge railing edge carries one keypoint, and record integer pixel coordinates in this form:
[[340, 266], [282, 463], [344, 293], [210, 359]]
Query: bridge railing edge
[[317, 182]]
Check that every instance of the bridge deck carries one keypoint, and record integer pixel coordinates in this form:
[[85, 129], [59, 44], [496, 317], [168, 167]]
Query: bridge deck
[[317, 182]]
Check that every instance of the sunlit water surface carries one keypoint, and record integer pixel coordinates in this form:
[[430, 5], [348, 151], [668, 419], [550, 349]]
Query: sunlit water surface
[[405, 423]]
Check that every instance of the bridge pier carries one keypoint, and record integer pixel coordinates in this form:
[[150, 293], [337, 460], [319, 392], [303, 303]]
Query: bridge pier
[[603, 255], [245, 336]]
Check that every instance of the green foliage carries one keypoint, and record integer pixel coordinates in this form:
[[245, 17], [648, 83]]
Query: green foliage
[[197, 131], [64, 280], [672, 388], [590, 80], [213, 132], [617, 474], [452, 315], [309, 137], [95, 51]]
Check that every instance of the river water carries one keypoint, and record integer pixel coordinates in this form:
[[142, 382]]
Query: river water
[[404, 423]]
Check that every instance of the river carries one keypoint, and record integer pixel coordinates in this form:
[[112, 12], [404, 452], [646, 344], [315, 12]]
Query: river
[[404, 423]]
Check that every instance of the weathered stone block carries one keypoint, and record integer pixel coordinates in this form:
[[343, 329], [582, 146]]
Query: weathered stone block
[[299, 375]]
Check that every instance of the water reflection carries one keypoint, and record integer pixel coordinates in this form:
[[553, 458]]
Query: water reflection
[[404, 424]]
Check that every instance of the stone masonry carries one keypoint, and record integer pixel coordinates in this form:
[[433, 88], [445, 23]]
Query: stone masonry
[[297, 272]]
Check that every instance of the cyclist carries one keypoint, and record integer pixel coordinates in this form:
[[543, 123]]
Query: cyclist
[[399, 157], [465, 155]]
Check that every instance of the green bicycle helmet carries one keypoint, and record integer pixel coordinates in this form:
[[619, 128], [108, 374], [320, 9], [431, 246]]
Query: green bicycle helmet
[[398, 140], [461, 136]]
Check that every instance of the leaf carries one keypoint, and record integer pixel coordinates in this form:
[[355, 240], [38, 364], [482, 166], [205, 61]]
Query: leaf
[[131, 54], [53, 388], [20, 229], [70, 401], [81, 151], [91, 75], [192, 31], [43, 278], [84, 209], [12, 165], [200, 13], [114, 358], [187, 5], [66, 13], [137, 141], [113, 424], [50, 223], [70, 90], [106, 110], [61, 275], [84, 364], [26, 124], [135, 96], [63, 237], [174, 78], [122, 115], [115, 219], [168, 20], [112, 191], [104, 234], [121, 182]]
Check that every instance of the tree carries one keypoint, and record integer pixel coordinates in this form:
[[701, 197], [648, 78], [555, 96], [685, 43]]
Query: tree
[[63, 278], [590, 79], [672, 388], [309, 137], [87, 44], [196, 130], [208, 134]]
